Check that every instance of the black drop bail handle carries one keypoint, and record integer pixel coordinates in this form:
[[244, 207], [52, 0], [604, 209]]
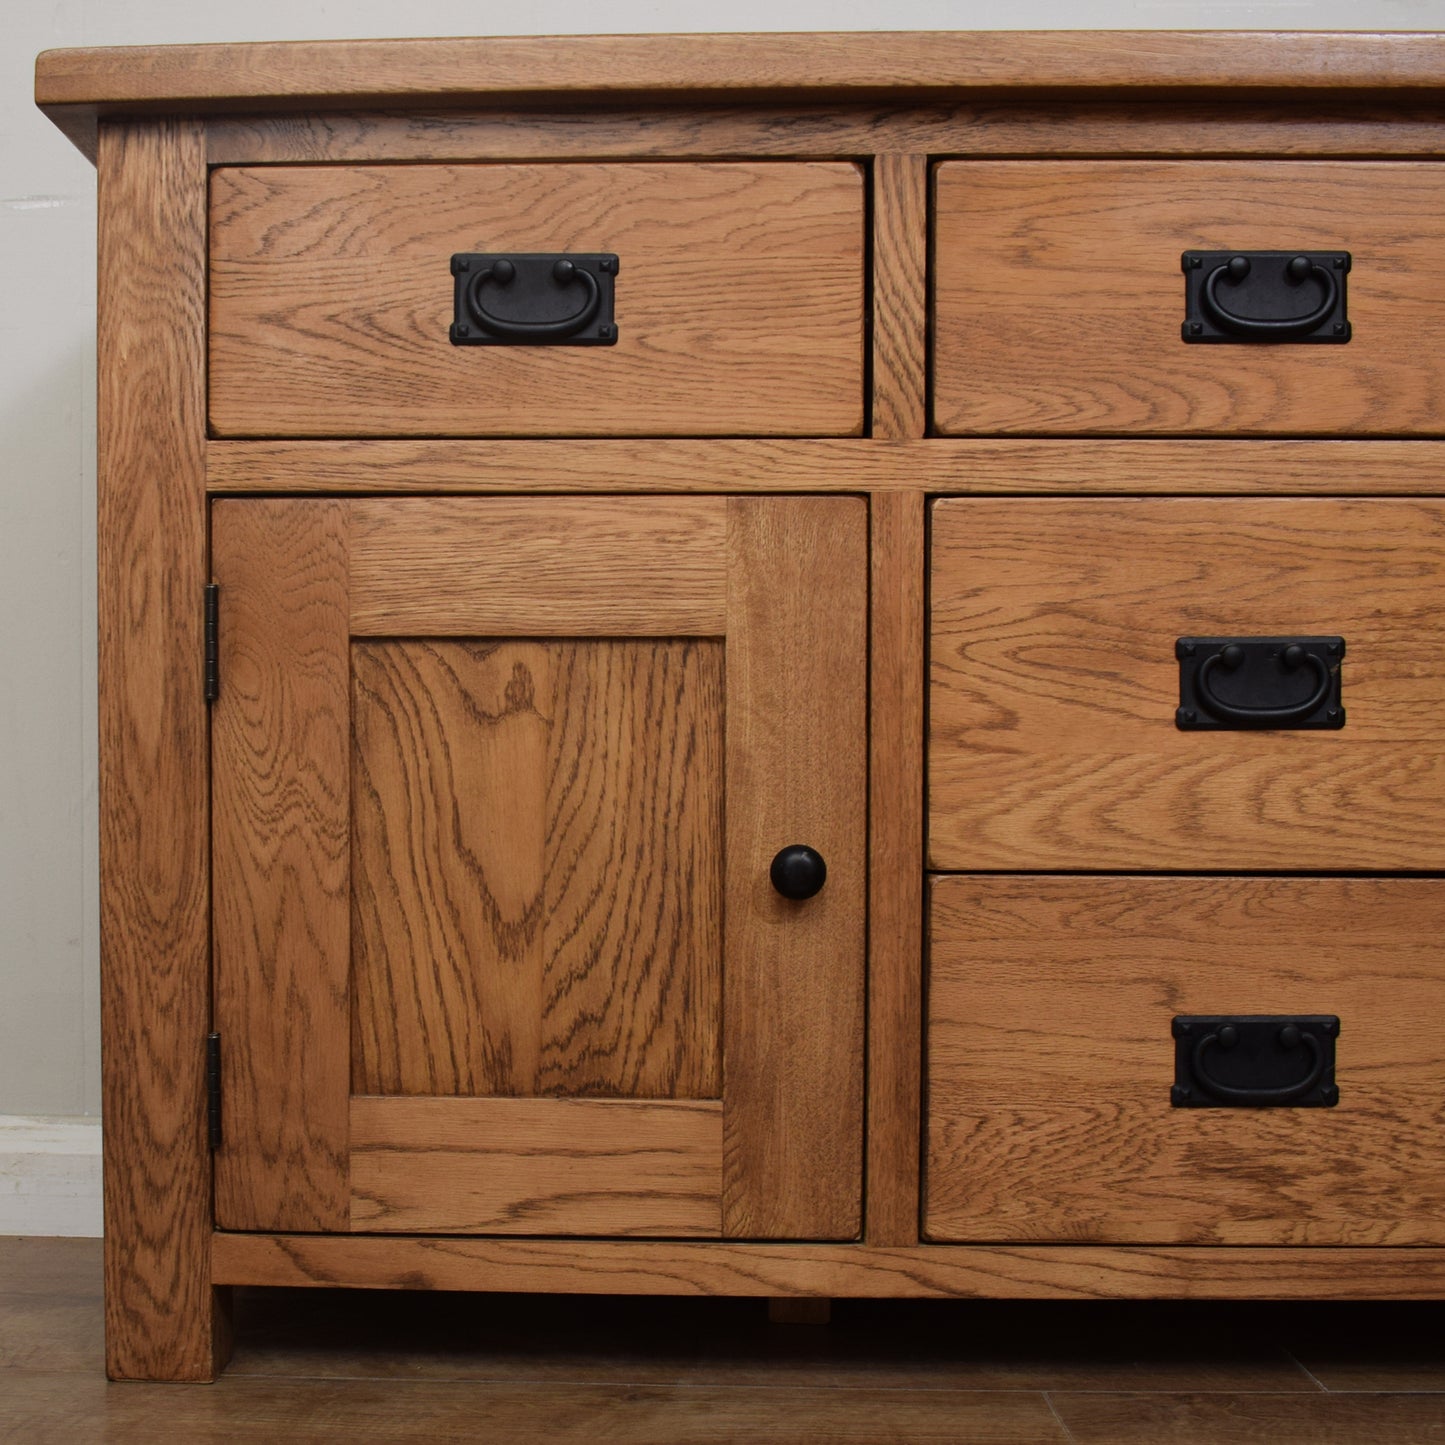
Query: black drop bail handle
[[502, 273], [1291, 658], [1297, 270], [1290, 1037]]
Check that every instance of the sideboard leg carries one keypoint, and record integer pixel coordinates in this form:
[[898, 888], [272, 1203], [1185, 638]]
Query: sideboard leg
[[160, 1308]]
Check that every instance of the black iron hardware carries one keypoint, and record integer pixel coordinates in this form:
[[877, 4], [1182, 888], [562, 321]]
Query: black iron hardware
[[212, 665], [540, 299], [213, 1090], [1259, 682], [798, 872], [1236, 296], [1254, 1061]]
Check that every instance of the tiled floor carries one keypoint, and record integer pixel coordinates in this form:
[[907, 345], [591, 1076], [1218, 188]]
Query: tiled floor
[[337, 1366]]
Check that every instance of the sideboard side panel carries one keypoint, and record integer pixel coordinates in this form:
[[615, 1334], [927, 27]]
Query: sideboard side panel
[[162, 1317]]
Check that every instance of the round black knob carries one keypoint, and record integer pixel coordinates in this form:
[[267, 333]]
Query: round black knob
[[798, 871]]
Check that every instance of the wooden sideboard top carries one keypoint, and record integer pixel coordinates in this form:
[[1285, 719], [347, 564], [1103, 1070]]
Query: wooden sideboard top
[[77, 87]]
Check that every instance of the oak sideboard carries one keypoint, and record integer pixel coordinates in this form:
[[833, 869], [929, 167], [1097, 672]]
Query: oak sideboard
[[791, 665]]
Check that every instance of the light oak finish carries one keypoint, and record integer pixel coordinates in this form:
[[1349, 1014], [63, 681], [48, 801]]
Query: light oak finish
[[507, 568], [497, 907], [281, 757], [75, 86], [1055, 684], [987, 465], [739, 300], [900, 282], [542, 824], [1050, 1060], [796, 766], [895, 883], [524, 683], [536, 1166], [1060, 297], [161, 1314], [919, 1271], [994, 127]]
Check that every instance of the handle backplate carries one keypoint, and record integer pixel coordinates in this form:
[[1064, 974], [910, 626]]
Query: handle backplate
[[1233, 683], [1254, 1061], [1243, 297], [533, 299]]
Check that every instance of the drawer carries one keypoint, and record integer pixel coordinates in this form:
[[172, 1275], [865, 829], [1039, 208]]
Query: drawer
[[1051, 1061], [738, 301], [1059, 297], [1054, 686]]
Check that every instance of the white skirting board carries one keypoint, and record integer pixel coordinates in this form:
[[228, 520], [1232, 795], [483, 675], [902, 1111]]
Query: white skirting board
[[49, 1176]]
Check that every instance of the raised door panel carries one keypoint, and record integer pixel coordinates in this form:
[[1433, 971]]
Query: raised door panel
[[496, 949]]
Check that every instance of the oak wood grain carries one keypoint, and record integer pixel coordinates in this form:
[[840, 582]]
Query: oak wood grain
[[537, 868], [1054, 684], [281, 845], [161, 1320], [727, 1267], [1050, 1060], [536, 1166], [796, 769], [1059, 297], [1019, 126], [292, 75], [739, 300], [895, 882], [980, 465], [507, 567], [900, 284]]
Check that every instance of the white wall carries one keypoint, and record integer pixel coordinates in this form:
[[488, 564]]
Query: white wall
[[49, 1049]]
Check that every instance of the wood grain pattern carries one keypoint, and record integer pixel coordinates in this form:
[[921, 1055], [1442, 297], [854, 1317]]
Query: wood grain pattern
[[982, 465], [301, 74], [739, 302], [537, 868], [725, 1267], [1241, 126], [1263, 1419], [900, 306], [895, 882], [536, 1166], [155, 997], [1054, 684], [281, 845], [796, 771], [1050, 1060], [567, 1411], [1059, 298], [504, 567]]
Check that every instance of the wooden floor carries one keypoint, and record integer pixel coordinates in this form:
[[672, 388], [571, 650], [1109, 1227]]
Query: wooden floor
[[315, 1365]]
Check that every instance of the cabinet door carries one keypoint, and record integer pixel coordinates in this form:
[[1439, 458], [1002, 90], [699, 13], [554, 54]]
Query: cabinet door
[[497, 787]]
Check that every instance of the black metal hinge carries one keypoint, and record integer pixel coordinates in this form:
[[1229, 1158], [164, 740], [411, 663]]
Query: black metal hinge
[[213, 1090], [213, 641]]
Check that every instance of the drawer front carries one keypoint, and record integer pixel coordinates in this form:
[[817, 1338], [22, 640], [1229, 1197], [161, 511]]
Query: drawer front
[[1051, 1061], [1060, 297], [1053, 741], [738, 301]]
